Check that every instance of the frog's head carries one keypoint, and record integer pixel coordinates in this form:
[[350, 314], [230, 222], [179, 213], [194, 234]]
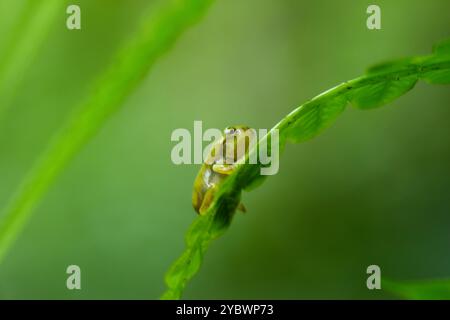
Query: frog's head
[[237, 141]]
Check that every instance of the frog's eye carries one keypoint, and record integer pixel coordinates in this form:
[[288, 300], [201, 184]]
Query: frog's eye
[[230, 130]]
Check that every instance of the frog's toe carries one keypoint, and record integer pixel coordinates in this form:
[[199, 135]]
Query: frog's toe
[[242, 208]]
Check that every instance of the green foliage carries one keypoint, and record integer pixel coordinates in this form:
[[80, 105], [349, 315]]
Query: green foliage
[[379, 86], [376, 94], [420, 290], [314, 118], [158, 32], [202, 231]]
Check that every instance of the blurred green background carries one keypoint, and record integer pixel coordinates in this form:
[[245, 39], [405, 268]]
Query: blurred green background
[[373, 189]]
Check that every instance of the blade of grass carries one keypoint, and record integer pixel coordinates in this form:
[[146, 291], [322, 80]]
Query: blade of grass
[[157, 34], [27, 37], [419, 290], [380, 85]]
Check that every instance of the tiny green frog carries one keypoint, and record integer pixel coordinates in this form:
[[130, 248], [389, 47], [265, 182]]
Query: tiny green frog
[[220, 163]]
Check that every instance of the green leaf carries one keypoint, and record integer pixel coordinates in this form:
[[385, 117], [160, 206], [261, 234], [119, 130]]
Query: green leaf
[[156, 35], [394, 65], [377, 93], [381, 85], [419, 290], [202, 231], [435, 69], [315, 117]]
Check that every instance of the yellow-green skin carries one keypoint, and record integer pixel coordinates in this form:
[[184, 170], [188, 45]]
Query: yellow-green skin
[[217, 167]]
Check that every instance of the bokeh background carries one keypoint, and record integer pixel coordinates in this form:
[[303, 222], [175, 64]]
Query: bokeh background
[[372, 189]]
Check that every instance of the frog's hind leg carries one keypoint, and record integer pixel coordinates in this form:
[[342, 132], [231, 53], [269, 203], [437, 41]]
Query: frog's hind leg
[[207, 200]]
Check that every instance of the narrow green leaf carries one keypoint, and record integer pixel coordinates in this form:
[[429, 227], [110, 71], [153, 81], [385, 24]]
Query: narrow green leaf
[[158, 32], [419, 290]]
